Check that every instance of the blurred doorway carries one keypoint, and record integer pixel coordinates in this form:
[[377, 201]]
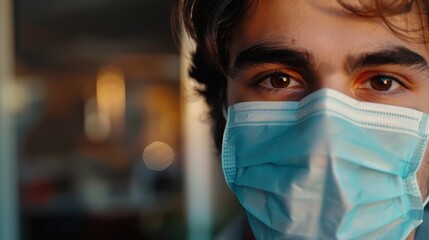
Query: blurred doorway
[[98, 122]]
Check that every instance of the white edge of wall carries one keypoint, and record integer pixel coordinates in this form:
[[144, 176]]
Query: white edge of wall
[[197, 155], [9, 227]]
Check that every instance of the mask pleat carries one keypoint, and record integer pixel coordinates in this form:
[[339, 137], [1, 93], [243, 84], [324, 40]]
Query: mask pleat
[[327, 167]]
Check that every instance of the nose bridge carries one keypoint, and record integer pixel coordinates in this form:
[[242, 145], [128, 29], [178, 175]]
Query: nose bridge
[[329, 66], [335, 80]]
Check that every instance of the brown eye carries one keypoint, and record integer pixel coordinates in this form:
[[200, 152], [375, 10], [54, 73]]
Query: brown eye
[[381, 83], [279, 80]]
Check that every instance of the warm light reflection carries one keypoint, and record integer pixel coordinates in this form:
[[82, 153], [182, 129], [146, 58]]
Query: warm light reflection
[[97, 124], [111, 92], [158, 156]]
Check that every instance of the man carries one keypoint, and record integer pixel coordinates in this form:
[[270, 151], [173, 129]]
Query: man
[[326, 130]]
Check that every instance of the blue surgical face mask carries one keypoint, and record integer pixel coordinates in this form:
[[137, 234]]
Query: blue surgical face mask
[[327, 167]]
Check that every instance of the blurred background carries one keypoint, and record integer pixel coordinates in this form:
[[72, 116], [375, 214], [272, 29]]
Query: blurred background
[[100, 135]]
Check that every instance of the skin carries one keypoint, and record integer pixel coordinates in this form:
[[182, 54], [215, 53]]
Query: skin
[[338, 49]]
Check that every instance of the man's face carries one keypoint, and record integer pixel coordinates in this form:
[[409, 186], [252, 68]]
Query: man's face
[[288, 49]]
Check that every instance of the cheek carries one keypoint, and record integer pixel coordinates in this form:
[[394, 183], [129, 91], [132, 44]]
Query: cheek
[[417, 99], [421, 97], [424, 102], [423, 175], [238, 92], [232, 93]]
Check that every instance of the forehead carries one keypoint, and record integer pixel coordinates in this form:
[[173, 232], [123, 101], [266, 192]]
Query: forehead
[[322, 26]]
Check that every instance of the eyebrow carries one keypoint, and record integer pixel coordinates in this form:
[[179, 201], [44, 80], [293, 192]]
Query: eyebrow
[[267, 53], [395, 55], [272, 53]]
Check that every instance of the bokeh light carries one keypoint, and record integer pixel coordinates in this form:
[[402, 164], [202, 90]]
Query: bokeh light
[[158, 156], [111, 91]]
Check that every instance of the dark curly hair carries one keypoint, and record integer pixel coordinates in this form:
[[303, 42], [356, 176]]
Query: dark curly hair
[[210, 24]]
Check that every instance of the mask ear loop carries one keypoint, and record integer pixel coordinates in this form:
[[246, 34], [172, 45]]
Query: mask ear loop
[[224, 105], [426, 201], [224, 110]]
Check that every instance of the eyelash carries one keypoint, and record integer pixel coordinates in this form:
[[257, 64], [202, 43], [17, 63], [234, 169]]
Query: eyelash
[[362, 84], [373, 76], [259, 79]]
